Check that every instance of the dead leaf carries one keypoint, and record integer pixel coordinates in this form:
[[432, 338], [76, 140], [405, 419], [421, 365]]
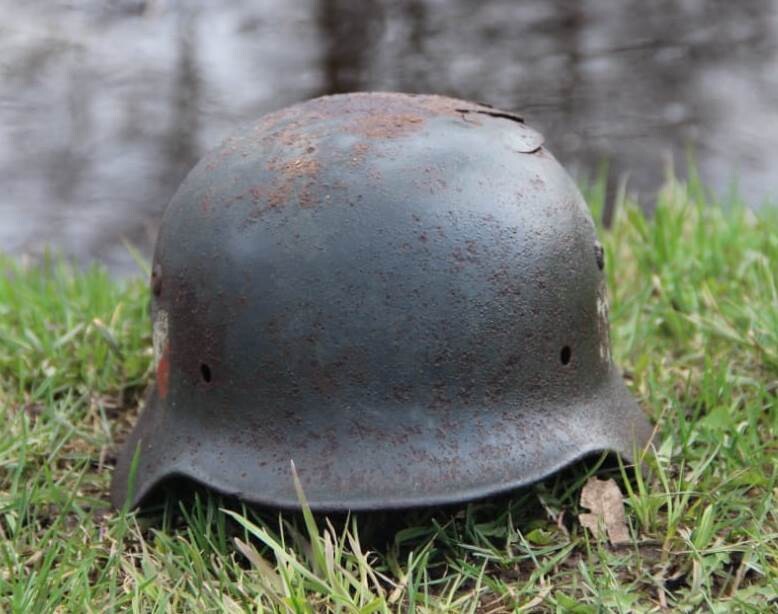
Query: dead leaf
[[606, 504]]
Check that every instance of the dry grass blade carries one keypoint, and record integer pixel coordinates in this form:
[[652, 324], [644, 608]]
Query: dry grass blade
[[266, 571]]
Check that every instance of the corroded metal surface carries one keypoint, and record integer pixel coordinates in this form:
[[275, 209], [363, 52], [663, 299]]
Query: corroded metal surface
[[403, 294]]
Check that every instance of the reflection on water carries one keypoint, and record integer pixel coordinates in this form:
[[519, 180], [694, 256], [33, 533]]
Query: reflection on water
[[105, 105]]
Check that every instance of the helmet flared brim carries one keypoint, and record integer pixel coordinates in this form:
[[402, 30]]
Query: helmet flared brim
[[463, 456]]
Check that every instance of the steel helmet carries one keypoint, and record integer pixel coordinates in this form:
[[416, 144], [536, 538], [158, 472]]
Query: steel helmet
[[402, 294]]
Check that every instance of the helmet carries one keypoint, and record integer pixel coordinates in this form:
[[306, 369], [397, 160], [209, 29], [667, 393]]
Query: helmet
[[402, 294]]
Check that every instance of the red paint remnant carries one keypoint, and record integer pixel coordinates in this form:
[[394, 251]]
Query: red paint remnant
[[163, 372]]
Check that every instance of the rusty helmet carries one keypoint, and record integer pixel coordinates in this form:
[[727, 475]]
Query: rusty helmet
[[402, 294]]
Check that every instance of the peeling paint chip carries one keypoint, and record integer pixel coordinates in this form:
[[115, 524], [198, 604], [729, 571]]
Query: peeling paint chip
[[606, 504]]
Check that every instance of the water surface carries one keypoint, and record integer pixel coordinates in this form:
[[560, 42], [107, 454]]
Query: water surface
[[104, 106]]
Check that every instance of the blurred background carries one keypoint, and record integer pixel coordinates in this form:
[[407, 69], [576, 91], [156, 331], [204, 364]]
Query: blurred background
[[106, 104]]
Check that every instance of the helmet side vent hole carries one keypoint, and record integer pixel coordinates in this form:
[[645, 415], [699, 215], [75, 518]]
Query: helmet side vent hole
[[599, 255], [565, 355], [205, 371]]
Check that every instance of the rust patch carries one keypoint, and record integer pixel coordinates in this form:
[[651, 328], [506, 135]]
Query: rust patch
[[293, 169], [370, 115], [293, 177], [386, 125], [359, 152], [294, 138]]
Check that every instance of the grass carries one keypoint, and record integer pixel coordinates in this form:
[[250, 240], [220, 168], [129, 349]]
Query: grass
[[694, 307]]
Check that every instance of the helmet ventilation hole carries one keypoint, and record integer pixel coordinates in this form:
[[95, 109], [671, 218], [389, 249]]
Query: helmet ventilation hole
[[599, 255], [565, 355], [205, 371]]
